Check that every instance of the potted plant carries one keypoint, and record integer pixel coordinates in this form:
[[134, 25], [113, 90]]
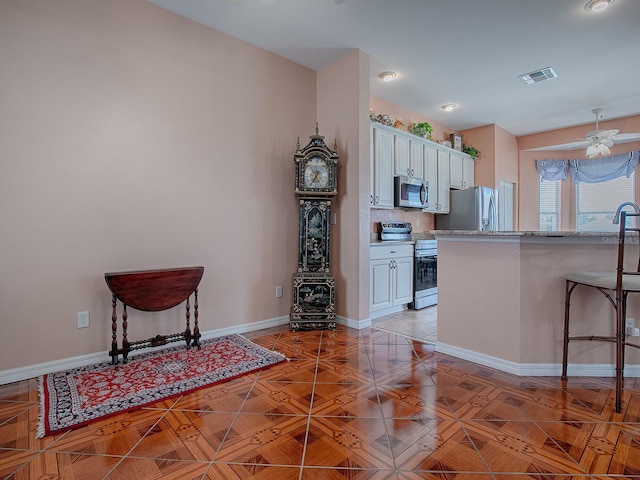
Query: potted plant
[[470, 150], [422, 129]]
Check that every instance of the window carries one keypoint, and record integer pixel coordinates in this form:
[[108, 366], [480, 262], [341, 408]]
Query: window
[[596, 203], [549, 205]]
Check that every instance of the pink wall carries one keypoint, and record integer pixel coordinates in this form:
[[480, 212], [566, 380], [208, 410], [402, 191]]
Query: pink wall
[[483, 138], [133, 138], [504, 298], [343, 101]]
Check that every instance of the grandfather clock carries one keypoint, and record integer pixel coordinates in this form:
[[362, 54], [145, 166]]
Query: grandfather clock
[[313, 286]]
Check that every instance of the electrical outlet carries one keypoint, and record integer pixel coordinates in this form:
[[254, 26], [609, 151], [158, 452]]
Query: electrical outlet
[[630, 322], [83, 319], [633, 331], [279, 291]]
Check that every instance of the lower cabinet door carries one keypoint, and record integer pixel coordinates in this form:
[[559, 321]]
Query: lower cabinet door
[[403, 288], [380, 284]]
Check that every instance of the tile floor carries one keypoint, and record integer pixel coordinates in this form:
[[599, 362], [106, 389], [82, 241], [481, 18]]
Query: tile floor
[[415, 324], [350, 405]]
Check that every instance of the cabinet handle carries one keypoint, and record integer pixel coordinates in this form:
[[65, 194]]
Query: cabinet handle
[[377, 199], [371, 199]]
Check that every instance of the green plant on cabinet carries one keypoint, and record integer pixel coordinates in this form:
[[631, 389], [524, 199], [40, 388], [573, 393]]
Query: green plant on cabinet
[[470, 150], [423, 129]]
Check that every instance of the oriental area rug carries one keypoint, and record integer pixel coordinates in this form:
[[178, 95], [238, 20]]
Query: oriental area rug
[[76, 397]]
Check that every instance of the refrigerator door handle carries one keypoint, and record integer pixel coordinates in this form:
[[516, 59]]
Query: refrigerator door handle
[[493, 212]]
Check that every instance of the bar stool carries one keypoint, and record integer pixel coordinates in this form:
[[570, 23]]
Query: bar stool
[[615, 286]]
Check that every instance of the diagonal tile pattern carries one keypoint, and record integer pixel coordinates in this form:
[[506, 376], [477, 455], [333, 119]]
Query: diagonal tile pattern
[[349, 405]]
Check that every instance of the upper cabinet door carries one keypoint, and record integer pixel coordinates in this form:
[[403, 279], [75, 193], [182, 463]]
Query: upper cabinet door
[[431, 176], [402, 161], [468, 172], [455, 171], [383, 148], [417, 159], [443, 182]]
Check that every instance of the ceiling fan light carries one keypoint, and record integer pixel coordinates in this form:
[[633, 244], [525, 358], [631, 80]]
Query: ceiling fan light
[[603, 149], [592, 151]]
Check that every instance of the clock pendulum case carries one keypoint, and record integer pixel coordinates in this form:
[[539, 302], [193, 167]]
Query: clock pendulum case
[[313, 286]]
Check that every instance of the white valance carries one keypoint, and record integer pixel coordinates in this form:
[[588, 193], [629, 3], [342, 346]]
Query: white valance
[[603, 169], [552, 169]]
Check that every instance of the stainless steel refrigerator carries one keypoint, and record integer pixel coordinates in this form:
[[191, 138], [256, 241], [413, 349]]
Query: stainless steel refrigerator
[[474, 208]]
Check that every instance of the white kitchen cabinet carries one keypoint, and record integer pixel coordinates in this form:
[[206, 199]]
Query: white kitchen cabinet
[[409, 156], [461, 171], [468, 172], [382, 154], [437, 174], [402, 156], [390, 277], [416, 155]]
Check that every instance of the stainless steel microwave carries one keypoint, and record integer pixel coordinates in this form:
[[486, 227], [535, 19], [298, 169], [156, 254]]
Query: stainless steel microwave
[[409, 192]]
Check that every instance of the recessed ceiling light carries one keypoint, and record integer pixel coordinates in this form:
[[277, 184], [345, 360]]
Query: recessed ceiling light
[[597, 5], [387, 76], [447, 107]]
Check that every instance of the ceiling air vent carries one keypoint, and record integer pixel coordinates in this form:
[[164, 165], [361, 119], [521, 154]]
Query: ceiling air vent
[[538, 76]]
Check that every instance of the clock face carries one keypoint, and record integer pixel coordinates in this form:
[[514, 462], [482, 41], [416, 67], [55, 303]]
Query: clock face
[[315, 173]]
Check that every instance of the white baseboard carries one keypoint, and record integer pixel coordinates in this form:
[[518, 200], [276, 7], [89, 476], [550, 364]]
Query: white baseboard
[[32, 371], [352, 323], [520, 369], [536, 369], [388, 311]]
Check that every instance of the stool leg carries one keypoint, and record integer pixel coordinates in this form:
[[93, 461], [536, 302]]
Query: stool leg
[[569, 286], [621, 308]]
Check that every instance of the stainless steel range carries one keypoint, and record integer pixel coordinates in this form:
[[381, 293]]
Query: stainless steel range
[[425, 267], [425, 274]]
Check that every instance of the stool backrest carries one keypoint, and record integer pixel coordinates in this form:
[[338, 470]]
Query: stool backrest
[[624, 239]]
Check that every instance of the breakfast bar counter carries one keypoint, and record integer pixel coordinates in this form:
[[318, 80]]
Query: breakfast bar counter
[[501, 300]]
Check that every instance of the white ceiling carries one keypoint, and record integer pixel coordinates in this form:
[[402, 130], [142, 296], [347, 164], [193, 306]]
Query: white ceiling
[[467, 52]]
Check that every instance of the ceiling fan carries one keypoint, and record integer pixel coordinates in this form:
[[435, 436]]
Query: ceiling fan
[[600, 140], [597, 141]]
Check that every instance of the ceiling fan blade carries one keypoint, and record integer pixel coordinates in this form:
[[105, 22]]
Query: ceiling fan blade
[[607, 141], [626, 137], [562, 146]]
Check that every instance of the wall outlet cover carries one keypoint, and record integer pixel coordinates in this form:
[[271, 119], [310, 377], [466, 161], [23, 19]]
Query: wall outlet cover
[[83, 319]]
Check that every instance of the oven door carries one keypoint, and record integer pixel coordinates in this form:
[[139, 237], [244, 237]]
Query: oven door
[[425, 281]]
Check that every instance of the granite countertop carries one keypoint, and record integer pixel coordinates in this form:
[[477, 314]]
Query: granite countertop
[[377, 241], [527, 233], [374, 238]]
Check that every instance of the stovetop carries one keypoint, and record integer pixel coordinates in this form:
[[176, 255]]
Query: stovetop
[[394, 231]]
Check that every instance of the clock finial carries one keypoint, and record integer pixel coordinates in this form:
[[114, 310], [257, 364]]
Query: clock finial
[[298, 144], [317, 131]]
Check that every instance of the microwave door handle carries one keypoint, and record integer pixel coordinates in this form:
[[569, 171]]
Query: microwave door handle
[[424, 196]]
